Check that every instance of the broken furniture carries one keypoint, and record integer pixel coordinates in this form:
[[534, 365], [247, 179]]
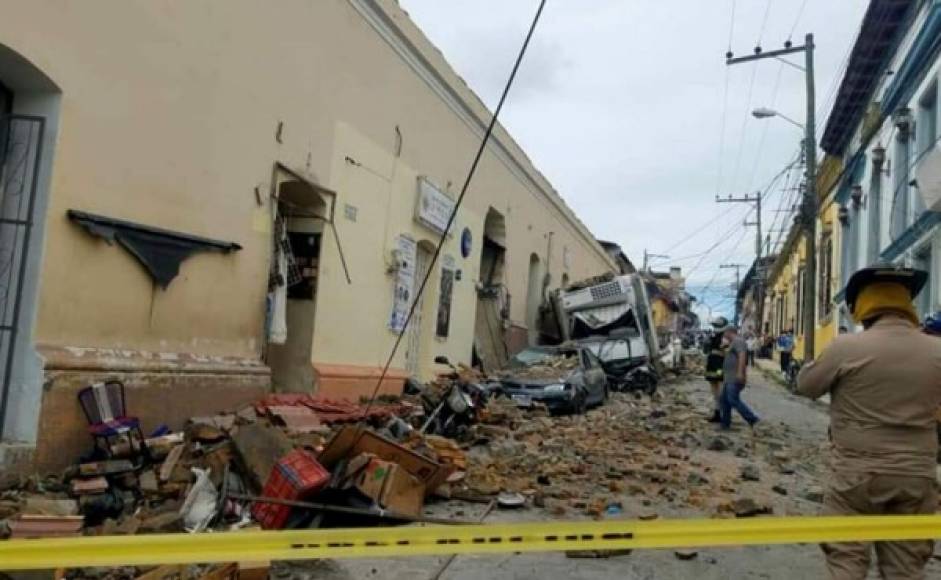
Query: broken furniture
[[104, 405]]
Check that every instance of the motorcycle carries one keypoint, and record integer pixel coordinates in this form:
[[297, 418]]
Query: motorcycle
[[642, 378], [452, 414]]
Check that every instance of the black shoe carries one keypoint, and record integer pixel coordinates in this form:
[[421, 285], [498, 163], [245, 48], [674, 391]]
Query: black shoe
[[715, 417]]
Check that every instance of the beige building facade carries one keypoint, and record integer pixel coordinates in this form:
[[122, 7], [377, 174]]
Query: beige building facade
[[215, 126]]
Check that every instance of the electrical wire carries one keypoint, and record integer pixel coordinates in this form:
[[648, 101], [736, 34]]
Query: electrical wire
[[699, 230], [741, 143], [764, 129], [797, 19], [723, 118], [735, 248], [732, 25], [457, 206], [788, 192], [724, 238], [764, 22]]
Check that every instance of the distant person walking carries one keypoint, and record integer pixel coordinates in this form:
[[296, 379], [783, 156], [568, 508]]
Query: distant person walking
[[752, 343], [786, 349], [735, 379]]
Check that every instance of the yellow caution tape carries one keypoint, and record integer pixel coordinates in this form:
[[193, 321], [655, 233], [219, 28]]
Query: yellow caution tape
[[430, 540]]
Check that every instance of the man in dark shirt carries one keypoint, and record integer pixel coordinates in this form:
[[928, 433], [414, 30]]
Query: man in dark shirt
[[734, 380]]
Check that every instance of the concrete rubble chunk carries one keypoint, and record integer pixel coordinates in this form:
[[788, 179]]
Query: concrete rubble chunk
[[750, 472], [719, 443], [813, 493], [148, 481], [258, 447], [786, 469], [166, 470], [746, 507], [89, 486], [167, 521], [695, 478], [39, 505]]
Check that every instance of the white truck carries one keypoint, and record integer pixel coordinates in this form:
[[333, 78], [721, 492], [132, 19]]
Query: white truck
[[612, 315]]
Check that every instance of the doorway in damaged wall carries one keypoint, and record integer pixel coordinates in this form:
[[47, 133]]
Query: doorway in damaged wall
[[493, 300], [298, 224]]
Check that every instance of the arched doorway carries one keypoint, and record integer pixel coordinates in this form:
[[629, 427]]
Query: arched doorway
[[534, 298], [492, 297], [29, 112]]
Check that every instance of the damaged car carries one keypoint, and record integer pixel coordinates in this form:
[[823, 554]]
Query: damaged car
[[563, 378], [626, 361]]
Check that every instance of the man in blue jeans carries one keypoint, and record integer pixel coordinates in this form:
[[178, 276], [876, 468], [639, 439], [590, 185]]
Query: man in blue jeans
[[733, 373]]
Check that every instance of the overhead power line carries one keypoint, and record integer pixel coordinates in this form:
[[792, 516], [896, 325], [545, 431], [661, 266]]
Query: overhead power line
[[797, 19], [416, 300]]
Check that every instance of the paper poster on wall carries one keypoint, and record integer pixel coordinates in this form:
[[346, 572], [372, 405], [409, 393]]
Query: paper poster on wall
[[443, 325], [406, 253]]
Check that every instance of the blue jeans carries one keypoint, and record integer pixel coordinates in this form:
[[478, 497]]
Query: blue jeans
[[731, 398]]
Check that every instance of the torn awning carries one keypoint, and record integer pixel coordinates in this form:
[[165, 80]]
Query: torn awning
[[160, 251]]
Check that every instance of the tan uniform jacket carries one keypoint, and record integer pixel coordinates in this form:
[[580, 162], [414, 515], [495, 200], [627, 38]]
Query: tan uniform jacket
[[884, 385]]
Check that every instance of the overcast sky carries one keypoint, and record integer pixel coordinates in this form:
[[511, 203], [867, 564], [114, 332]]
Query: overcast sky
[[623, 105]]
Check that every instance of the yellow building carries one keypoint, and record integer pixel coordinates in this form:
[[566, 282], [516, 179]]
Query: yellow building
[[216, 138], [785, 288], [784, 301], [829, 241]]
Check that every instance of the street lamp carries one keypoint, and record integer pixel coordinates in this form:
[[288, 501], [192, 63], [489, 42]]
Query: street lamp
[[765, 113]]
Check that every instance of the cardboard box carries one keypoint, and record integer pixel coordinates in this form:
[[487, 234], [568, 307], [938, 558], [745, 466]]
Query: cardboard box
[[352, 441], [387, 483]]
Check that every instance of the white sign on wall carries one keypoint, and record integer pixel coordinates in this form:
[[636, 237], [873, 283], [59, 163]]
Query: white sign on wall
[[406, 252], [433, 207]]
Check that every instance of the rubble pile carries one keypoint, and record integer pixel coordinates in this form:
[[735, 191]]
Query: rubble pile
[[631, 447], [548, 369], [210, 474], [296, 461]]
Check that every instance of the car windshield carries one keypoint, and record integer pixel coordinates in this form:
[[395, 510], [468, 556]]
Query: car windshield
[[610, 349], [540, 356]]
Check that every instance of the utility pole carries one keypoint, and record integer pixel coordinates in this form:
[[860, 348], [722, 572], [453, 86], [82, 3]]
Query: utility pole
[[738, 283], [759, 243], [809, 205], [647, 257]]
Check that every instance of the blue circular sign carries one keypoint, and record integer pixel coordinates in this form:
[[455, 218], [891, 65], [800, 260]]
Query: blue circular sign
[[467, 242]]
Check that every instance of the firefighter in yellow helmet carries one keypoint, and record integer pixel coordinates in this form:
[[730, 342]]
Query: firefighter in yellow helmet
[[884, 385]]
